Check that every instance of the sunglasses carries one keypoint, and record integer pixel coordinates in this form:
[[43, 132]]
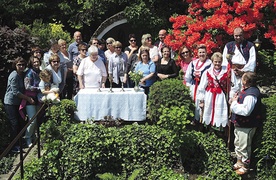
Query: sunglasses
[[118, 47], [149, 38], [55, 61], [83, 49], [132, 40], [185, 52], [20, 65]]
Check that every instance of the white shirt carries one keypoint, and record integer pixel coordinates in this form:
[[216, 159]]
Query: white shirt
[[153, 52], [239, 59], [57, 78], [246, 107], [92, 72]]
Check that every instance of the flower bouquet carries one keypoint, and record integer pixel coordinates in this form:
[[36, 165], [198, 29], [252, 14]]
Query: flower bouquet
[[136, 77]]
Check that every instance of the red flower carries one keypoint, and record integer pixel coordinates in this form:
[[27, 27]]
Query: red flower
[[212, 22]]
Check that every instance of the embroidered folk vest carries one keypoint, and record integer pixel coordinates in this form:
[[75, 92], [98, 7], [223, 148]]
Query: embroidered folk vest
[[254, 119], [246, 46]]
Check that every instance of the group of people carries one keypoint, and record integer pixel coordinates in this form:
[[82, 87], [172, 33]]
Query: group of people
[[111, 67], [225, 82], [223, 85]]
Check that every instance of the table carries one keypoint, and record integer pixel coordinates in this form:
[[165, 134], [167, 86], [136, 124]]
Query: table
[[128, 105]]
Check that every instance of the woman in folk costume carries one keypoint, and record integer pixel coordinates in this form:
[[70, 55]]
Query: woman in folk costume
[[216, 84], [193, 75]]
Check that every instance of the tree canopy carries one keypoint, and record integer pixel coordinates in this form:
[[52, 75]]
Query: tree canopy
[[87, 15]]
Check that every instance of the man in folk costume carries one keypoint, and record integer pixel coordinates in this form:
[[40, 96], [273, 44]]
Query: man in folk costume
[[243, 54], [194, 73], [213, 92], [246, 116]]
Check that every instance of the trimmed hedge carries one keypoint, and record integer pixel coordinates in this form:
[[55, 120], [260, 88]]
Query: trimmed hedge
[[83, 151], [266, 146], [168, 93]]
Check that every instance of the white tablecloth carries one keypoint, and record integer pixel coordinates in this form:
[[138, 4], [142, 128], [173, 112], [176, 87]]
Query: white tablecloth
[[128, 105]]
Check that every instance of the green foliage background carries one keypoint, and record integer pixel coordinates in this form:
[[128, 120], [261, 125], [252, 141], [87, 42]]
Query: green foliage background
[[148, 16]]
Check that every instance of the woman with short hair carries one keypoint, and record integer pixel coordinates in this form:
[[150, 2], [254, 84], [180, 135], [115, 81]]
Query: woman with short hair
[[132, 48], [13, 96], [110, 49], [92, 72], [117, 66], [57, 71]]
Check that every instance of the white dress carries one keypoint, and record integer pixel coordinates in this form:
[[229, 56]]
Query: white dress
[[192, 78], [92, 72], [215, 102]]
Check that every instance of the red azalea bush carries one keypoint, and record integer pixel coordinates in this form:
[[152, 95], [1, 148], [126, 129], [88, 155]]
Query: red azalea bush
[[212, 22]]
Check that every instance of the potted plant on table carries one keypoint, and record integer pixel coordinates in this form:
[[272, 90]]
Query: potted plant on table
[[136, 77]]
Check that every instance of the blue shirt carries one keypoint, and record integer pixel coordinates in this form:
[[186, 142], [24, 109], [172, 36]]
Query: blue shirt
[[32, 79], [102, 55], [146, 69], [73, 50]]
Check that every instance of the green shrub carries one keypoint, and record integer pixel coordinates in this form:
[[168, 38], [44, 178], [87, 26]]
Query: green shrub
[[266, 67], [6, 164], [43, 32], [168, 93], [162, 174], [266, 150], [167, 174], [64, 111], [208, 156], [4, 127], [13, 43], [175, 119], [84, 150], [110, 176], [59, 118]]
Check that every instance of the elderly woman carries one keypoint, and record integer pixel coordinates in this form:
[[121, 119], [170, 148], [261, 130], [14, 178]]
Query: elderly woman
[[153, 50], [117, 66], [132, 48], [92, 72], [13, 96], [31, 82], [55, 49], [194, 73], [57, 71], [148, 68], [165, 66], [184, 59]]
